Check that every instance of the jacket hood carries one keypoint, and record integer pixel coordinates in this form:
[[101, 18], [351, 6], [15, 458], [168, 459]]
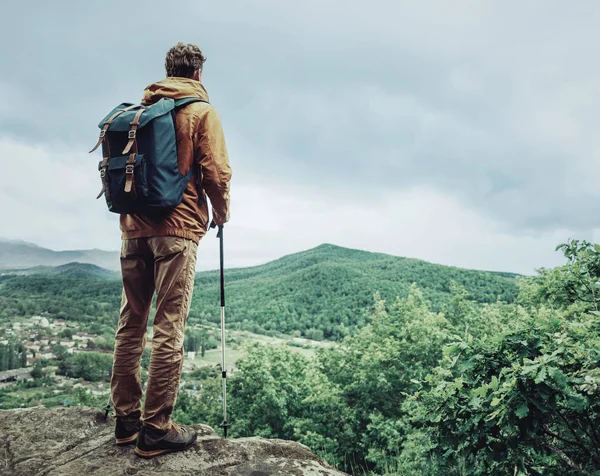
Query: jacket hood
[[174, 88]]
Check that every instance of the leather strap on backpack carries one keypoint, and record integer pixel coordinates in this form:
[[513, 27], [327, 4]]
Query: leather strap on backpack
[[133, 131], [107, 124], [129, 177], [104, 179]]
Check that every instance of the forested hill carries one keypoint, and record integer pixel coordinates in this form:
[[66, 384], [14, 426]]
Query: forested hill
[[329, 289], [325, 292]]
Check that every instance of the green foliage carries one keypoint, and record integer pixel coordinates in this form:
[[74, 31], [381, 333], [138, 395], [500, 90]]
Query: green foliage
[[330, 289], [574, 287], [76, 295], [523, 401], [90, 366], [504, 388], [82, 397], [450, 376], [323, 293], [42, 391], [12, 356], [36, 371], [266, 393], [199, 340], [66, 333]]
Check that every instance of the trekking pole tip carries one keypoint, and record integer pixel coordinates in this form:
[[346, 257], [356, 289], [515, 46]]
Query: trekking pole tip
[[106, 409]]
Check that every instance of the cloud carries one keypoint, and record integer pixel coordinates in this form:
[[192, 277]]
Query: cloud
[[418, 222], [486, 106], [57, 209], [48, 197]]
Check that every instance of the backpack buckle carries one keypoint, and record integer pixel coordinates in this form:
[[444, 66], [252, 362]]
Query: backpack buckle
[[102, 133], [103, 172], [131, 134], [129, 169]]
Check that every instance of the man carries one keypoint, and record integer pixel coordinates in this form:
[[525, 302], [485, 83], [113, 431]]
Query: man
[[159, 255]]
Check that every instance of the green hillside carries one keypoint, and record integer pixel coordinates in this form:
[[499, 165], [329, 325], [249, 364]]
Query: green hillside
[[329, 289], [325, 292], [75, 292], [73, 270]]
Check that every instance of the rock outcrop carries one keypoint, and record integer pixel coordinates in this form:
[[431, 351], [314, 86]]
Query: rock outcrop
[[77, 441]]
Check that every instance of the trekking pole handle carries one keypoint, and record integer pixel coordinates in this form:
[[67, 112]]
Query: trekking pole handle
[[214, 225]]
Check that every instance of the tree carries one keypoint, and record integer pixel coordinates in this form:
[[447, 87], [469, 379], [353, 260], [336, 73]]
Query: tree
[[525, 400], [36, 371], [66, 333]]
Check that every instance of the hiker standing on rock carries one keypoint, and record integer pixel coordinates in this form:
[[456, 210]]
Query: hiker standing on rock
[[159, 246]]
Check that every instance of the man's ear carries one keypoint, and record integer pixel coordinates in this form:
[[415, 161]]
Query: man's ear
[[197, 74]]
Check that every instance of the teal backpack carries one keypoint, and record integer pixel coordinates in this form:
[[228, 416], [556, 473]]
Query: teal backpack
[[139, 169]]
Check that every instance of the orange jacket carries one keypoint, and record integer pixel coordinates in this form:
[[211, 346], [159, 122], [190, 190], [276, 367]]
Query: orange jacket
[[199, 140]]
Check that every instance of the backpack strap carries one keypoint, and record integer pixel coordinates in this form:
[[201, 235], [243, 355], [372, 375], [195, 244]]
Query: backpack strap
[[129, 177], [185, 101], [133, 131], [198, 177], [105, 159], [109, 122], [104, 179]]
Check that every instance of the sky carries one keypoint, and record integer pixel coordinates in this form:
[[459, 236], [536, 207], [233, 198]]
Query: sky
[[462, 133]]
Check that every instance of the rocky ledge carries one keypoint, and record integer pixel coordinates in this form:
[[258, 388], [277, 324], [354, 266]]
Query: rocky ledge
[[77, 441]]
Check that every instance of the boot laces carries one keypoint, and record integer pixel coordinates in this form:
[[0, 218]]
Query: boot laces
[[177, 427]]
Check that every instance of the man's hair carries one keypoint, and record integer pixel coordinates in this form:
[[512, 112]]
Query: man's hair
[[183, 60]]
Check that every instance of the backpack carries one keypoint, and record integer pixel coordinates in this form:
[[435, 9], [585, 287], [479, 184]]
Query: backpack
[[139, 169]]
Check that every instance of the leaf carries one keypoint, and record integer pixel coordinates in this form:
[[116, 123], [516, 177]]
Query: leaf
[[541, 376], [475, 402], [495, 402], [527, 369], [558, 376], [522, 411], [481, 391]]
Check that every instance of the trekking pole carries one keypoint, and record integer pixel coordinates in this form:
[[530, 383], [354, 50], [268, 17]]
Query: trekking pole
[[224, 425], [107, 408]]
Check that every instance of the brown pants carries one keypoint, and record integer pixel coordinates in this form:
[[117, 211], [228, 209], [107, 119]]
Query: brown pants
[[165, 264]]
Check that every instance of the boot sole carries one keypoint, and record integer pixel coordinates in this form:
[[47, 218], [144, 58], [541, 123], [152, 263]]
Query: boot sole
[[153, 453], [127, 441]]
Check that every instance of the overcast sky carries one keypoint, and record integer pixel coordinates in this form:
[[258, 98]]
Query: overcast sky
[[462, 133]]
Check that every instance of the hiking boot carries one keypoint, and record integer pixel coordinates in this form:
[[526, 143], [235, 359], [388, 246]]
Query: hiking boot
[[152, 442], [126, 431]]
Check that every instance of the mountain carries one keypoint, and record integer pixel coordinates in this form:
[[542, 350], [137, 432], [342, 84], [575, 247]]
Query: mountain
[[320, 291], [70, 270], [16, 254], [324, 292]]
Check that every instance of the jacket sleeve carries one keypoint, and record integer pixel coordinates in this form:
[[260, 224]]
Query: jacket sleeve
[[211, 154]]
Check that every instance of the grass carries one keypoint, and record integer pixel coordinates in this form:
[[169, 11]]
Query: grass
[[237, 341]]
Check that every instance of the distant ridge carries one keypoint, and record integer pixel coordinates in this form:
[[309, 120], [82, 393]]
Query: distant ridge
[[329, 286], [324, 292], [70, 270], [17, 254]]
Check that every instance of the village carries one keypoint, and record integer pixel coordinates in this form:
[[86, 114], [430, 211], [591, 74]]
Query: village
[[44, 340], [64, 363], [39, 335]]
